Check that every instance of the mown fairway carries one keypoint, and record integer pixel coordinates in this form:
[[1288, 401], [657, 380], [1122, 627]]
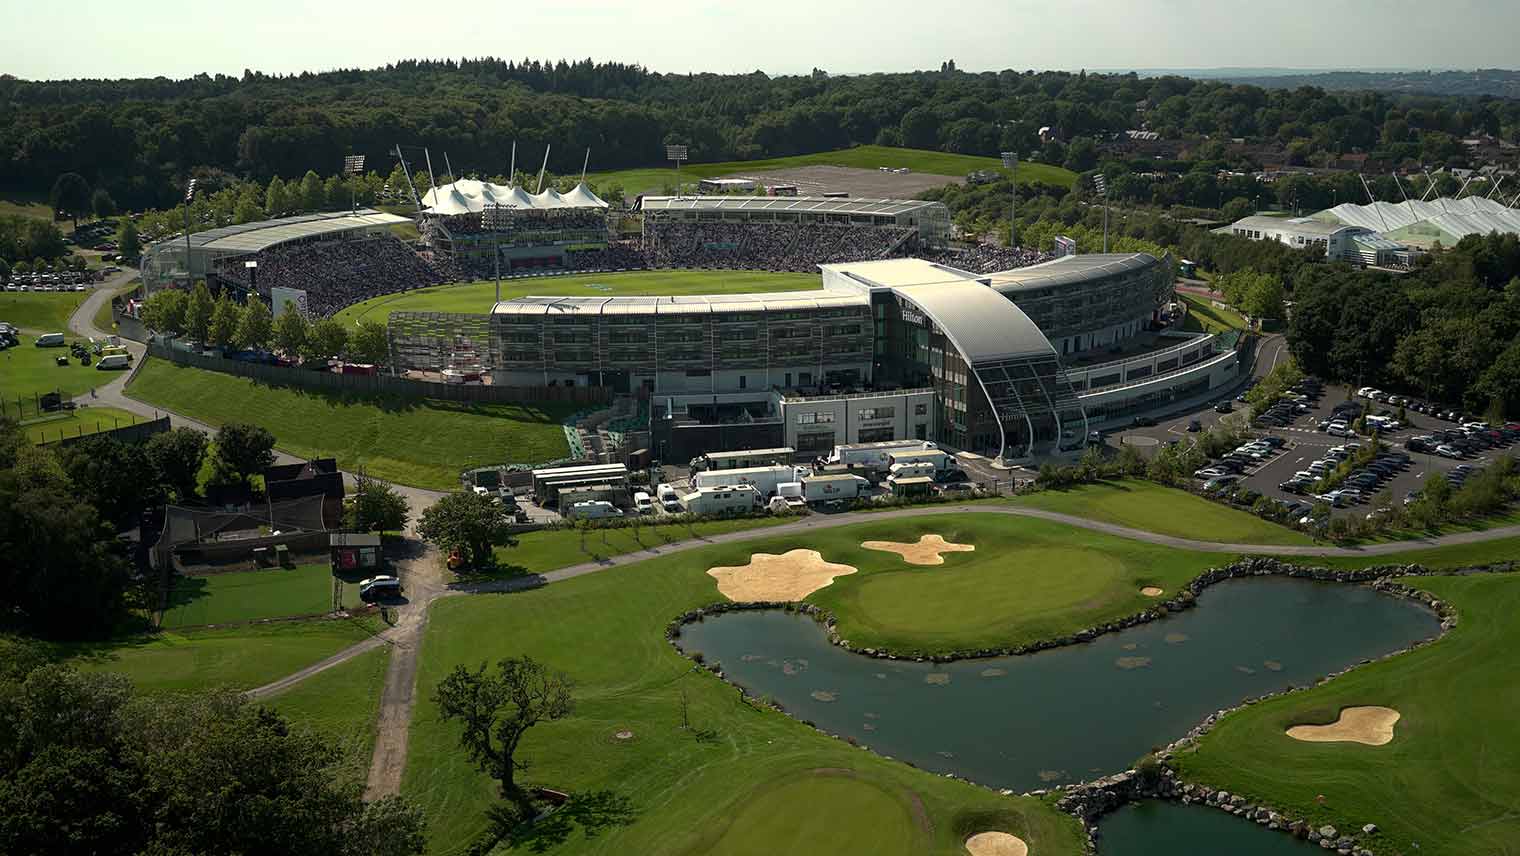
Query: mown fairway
[[1167, 511], [1449, 783], [653, 179], [412, 441], [718, 786], [479, 296]]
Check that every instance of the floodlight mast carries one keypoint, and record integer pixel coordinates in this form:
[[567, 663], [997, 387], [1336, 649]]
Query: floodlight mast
[[1011, 163], [677, 154], [189, 198], [353, 165], [1101, 183]]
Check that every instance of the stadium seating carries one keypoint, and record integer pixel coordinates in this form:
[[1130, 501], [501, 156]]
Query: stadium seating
[[337, 273]]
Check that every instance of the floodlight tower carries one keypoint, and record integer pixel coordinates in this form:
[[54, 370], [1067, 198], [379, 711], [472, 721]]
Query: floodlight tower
[[353, 166], [189, 198], [676, 154], [1011, 163], [1101, 183]]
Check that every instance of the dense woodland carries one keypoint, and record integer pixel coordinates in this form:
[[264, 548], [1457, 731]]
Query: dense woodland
[[139, 139]]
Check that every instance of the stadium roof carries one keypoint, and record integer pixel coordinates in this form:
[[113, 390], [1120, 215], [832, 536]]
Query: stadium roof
[[1292, 226], [688, 305], [800, 204], [1069, 270], [1423, 223], [468, 196], [254, 237]]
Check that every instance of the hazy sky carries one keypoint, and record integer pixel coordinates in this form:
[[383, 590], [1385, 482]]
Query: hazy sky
[[178, 38]]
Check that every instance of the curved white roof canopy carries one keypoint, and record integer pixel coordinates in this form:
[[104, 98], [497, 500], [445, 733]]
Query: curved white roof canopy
[[469, 196]]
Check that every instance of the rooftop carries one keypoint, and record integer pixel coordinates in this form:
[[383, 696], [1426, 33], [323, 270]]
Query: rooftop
[[1069, 270], [254, 237]]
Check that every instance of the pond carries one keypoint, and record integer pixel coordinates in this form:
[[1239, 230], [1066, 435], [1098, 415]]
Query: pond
[[1156, 828], [1071, 713]]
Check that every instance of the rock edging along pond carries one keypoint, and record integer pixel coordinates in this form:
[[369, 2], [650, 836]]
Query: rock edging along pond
[[1090, 800]]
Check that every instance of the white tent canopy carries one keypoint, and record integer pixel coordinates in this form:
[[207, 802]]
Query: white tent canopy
[[468, 196]]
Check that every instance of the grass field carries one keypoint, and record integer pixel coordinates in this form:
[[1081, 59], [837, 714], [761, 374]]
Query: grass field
[[41, 311], [34, 205], [718, 791], [74, 423], [654, 179], [237, 657], [1453, 556], [417, 442], [341, 704], [27, 371], [1205, 317], [251, 595], [1145, 505], [1027, 580], [478, 296], [1448, 784]]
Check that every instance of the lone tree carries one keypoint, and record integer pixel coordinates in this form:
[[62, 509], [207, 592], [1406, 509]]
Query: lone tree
[[71, 195], [242, 451], [102, 204], [468, 522], [127, 240], [497, 709], [376, 505]]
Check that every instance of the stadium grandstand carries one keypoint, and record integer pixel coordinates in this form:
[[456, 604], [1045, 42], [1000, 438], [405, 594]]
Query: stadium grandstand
[[929, 221], [1424, 224], [165, 263], [1016, 365], [467, 220]]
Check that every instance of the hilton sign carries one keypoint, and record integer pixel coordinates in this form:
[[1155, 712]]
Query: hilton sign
[[910, 313]]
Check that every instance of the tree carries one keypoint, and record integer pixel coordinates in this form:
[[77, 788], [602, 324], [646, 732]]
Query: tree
[[115, 477], [176, 456], [468, 522], [290, 332], [102, 204], [312, 196], [276, 200], [376, 506], [254, 325], [242, 452], [198, 310], [246, 210], [325, 340], [165, 311], [71, 196], [497, 709], [225, 317], [369, 343], [1238, 208], [127, 242]]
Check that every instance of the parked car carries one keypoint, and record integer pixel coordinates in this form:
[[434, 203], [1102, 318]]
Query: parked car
[[1224, 407], [1447, 450]]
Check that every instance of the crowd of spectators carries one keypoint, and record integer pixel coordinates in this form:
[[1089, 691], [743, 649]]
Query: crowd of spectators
[[769, 246], [335, 274], [987, 258]]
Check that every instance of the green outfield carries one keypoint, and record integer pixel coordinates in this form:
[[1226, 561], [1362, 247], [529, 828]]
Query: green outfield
[[479, 296], [740, 780], [241, 596], [40, 311], [654, 179], [237, 657], [1449, 782], [52, 427], [412, 441], [1164, 510]]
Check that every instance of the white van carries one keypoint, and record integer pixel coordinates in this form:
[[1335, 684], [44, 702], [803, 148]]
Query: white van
[[379, 588], [669, 499], [49, 340], [642, 503], [112, 362], [593, 510]]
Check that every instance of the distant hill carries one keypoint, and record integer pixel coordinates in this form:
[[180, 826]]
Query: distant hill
[[1504, 83]]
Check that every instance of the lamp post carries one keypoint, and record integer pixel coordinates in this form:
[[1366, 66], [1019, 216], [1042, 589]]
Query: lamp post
[[189, 197], [1101, 183], [353, 165], [1011, 163], [676, 154]]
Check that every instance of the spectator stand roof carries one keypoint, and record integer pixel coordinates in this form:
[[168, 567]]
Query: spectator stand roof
[[468, 196], [1070, 270], [254, 237], [1423, 223], [798, 204]]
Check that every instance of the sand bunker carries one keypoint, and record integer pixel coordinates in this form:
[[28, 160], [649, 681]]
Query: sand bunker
[[793, 575], [926, 552], [996, 844], [1153, 591], [1371, 726]]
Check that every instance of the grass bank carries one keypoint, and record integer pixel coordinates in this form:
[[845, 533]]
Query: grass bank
[[479, 296], [1204, 317], [53, 427], [1448, 783], [411, 441], [40, 311], [342, 704], [1164, 510]]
